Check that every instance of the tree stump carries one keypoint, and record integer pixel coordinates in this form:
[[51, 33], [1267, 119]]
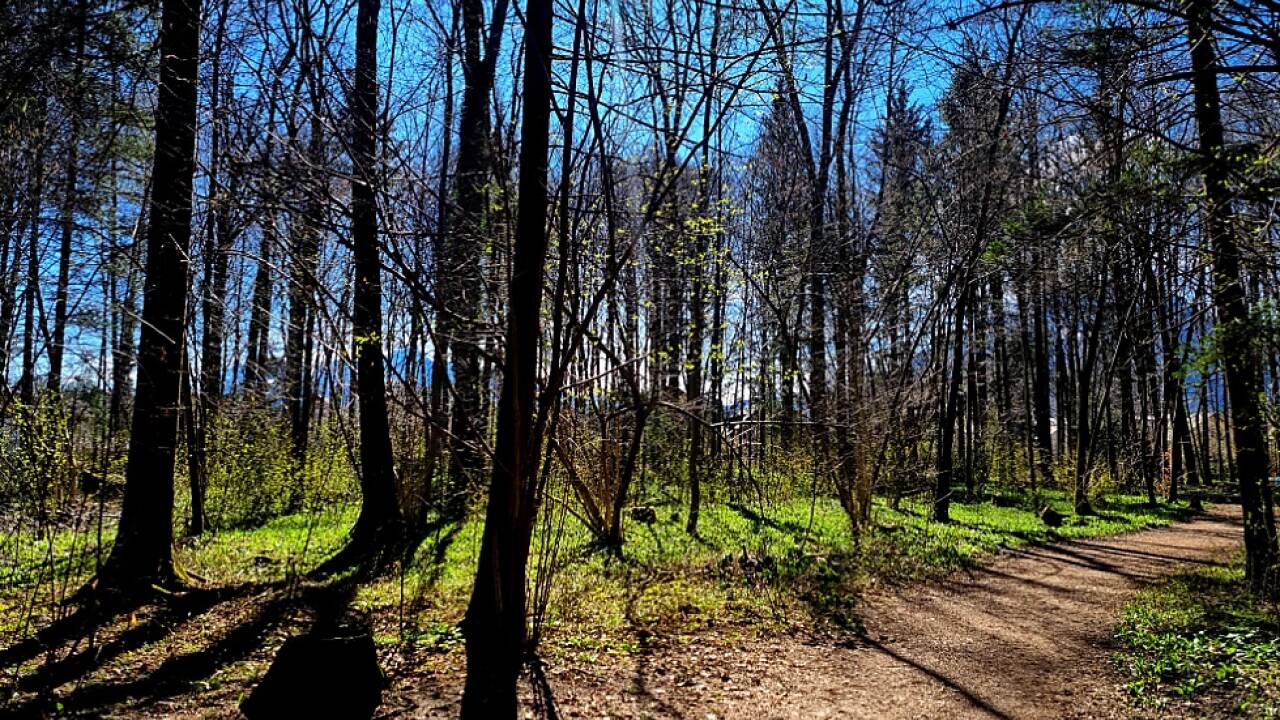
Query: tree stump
[[319, 675], [1051, 517]]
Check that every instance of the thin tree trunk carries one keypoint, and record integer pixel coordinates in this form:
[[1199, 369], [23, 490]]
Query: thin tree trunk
[[945, 466]]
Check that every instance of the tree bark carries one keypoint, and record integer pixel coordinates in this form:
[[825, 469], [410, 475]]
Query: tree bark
[[495, 622], [459, 269], [379, 527], [143, 550], [1240, 360]]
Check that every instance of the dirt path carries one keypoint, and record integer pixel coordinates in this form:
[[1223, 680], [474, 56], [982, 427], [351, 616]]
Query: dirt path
[[1027, 636]]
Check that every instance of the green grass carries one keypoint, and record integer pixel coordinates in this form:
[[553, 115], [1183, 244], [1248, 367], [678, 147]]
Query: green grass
[[977, 529], [796, 564], [285, 546], [1200, 641], [793, 564]]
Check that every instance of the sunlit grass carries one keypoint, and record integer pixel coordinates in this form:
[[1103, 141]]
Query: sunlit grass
[[793, 563]]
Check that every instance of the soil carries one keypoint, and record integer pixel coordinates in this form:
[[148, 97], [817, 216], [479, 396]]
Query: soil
[[1028, 635]]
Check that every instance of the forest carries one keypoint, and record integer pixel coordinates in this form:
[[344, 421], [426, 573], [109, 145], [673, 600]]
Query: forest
[[639, 358]]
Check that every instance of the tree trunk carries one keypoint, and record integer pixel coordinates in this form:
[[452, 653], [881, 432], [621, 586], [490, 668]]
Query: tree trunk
[[459, 269], [218, 245], [379, 527], [260, 315], [945, 467], [305, 231], [143, 550], [1240, 360], [495, 621], [31, 294], [57, 344]]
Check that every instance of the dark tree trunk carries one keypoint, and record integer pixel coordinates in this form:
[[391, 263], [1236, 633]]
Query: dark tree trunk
[[1062, 392], [123, 358], [697, 306], [460, 268], [57, 344], [379, 527], [1000, 346], [495, 621], [1241, 363], [218, 245], [1084, 412], [697, 318], [297, 360], [31, 294], [143, 550], [945, 462], [1036, 458], [192, 429], [1182, 460], [1040, 392], [260, 314], [305, 236]]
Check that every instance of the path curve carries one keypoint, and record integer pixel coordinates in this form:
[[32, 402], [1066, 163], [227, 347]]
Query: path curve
[[1026, 636]]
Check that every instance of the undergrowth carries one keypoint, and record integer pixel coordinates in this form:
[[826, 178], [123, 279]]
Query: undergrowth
[[793, 564], [1198, 641]]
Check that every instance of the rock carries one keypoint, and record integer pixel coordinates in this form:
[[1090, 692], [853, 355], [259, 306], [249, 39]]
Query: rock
[[1051, 517], [644, 514], [318, 676]]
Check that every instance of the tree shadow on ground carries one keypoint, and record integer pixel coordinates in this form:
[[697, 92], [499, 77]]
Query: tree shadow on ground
[[644, 639], [178, 673], [181, 608], [438, 537], [544, 700], [89, 613], [952, 684], [1163, 559], [1029, 537], [760, 520]]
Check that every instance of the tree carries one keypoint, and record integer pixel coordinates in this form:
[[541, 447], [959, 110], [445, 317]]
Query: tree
[[143, 550], [495, 621], [1239, 354], [459, 268], [71, 192], [379, 528]]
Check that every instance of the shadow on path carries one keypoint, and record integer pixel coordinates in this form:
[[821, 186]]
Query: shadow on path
[[954, 685]]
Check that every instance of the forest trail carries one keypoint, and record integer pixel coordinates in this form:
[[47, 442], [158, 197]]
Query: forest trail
[[1027, 635]]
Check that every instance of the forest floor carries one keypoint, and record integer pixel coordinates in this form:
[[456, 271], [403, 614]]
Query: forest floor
[[1028, 635], [1023, 630]]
